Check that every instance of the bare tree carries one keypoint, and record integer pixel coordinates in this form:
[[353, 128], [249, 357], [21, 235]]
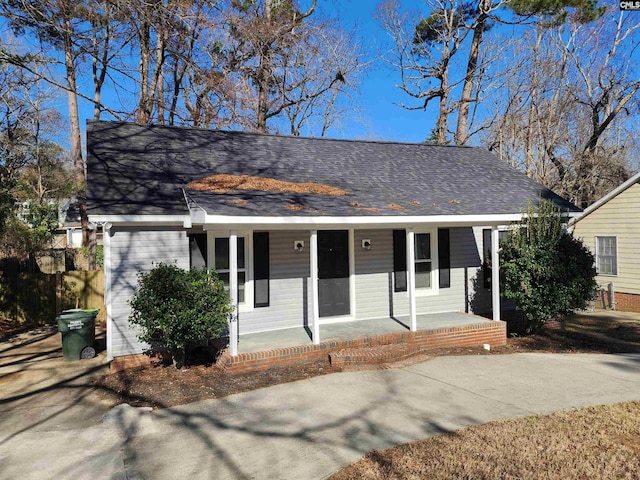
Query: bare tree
[[54, 23], [563, 117], [423, 53], [272, 47]]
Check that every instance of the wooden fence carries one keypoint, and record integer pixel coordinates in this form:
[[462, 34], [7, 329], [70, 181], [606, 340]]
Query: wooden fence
[[37, 298]]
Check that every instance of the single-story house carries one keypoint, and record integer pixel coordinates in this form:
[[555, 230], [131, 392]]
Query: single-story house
[[611, 229], [305, 231]]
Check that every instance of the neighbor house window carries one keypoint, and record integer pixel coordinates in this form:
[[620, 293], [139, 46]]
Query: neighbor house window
[[221, 263], [606, 255]]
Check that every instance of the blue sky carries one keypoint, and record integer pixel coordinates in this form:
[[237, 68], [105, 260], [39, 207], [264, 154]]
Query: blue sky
[[378, 96]]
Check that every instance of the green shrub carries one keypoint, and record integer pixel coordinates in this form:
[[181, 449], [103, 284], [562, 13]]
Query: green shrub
[[175, 307], [545, 271]]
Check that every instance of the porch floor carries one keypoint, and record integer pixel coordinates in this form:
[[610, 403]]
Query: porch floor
[[291, 337]]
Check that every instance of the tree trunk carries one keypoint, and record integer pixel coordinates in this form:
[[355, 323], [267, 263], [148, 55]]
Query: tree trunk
[[263, 74], [74, 123], [460, 137], [144, 111], [528, 149]]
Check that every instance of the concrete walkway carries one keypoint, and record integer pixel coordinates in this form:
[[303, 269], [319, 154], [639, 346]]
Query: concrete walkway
[[301, 430]]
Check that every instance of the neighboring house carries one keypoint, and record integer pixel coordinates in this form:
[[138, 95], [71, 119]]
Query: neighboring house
[[611, 229], [323, 230], [69, 232]]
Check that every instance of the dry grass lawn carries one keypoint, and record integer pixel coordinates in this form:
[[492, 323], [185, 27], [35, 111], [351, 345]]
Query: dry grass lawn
[[592, 443]]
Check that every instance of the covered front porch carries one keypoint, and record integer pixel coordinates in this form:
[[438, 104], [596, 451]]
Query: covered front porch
[[291, 337], [351, 273], [363, 342]]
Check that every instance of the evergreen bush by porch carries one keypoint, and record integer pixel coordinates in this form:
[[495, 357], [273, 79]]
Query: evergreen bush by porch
[[175, 307], [545, 271]]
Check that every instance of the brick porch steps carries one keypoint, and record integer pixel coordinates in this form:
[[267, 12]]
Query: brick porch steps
[[373, 355], [369, 349], [400, 346]]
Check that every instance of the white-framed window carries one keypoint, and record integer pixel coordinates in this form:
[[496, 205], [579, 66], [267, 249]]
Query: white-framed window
[[426, 262], [218, 258], [607, 255]]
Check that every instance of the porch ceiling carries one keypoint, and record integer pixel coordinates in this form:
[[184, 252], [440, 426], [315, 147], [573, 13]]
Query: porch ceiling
[[291, 337]]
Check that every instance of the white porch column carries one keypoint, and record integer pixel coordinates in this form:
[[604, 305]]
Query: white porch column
[[411, 279], [352, 274], [315, 317], [495, 274], [233, 293]]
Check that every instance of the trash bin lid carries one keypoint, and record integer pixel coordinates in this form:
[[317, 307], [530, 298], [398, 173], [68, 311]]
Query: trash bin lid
[[78, 313]]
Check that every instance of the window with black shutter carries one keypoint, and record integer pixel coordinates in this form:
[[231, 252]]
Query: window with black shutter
[[261, 269], [399, 261], [444, 258], [198, 250]]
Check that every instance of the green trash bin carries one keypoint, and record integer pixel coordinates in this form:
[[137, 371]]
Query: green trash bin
[[78, 330]]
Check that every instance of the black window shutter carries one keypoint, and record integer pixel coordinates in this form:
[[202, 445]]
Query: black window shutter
[[261, 269], [198, 250], [444, 258], [486, 261], [399, 261]]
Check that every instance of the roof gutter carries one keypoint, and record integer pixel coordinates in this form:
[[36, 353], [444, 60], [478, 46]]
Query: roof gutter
[[363, 221], [163, 220]]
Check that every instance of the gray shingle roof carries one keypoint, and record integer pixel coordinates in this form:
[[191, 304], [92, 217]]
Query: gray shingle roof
[[142, 169]]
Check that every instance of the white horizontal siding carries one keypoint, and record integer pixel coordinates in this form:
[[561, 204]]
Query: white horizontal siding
[[132, 252], [374, 271], [619, 217], [465, 263], [288, 283]]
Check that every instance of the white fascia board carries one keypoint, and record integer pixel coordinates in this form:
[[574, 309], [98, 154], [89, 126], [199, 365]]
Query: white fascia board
[[139, 219], [612, 194], [211, 221]]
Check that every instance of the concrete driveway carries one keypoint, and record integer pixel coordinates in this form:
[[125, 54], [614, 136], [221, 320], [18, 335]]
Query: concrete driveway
[[302, 430]]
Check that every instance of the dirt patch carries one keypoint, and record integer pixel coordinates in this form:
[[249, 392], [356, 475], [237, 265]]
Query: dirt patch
[[587, 443], [9, 328], [166, 386], [227, 183]]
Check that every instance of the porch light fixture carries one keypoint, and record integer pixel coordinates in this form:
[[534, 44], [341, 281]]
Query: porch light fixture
[[298, 245], [366, 244]]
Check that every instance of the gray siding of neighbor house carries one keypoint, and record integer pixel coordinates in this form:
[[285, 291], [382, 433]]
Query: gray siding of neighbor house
[[289, 285], [619, 217], [134, 251]]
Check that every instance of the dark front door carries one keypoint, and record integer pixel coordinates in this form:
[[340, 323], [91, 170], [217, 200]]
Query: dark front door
[[333, 273]]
